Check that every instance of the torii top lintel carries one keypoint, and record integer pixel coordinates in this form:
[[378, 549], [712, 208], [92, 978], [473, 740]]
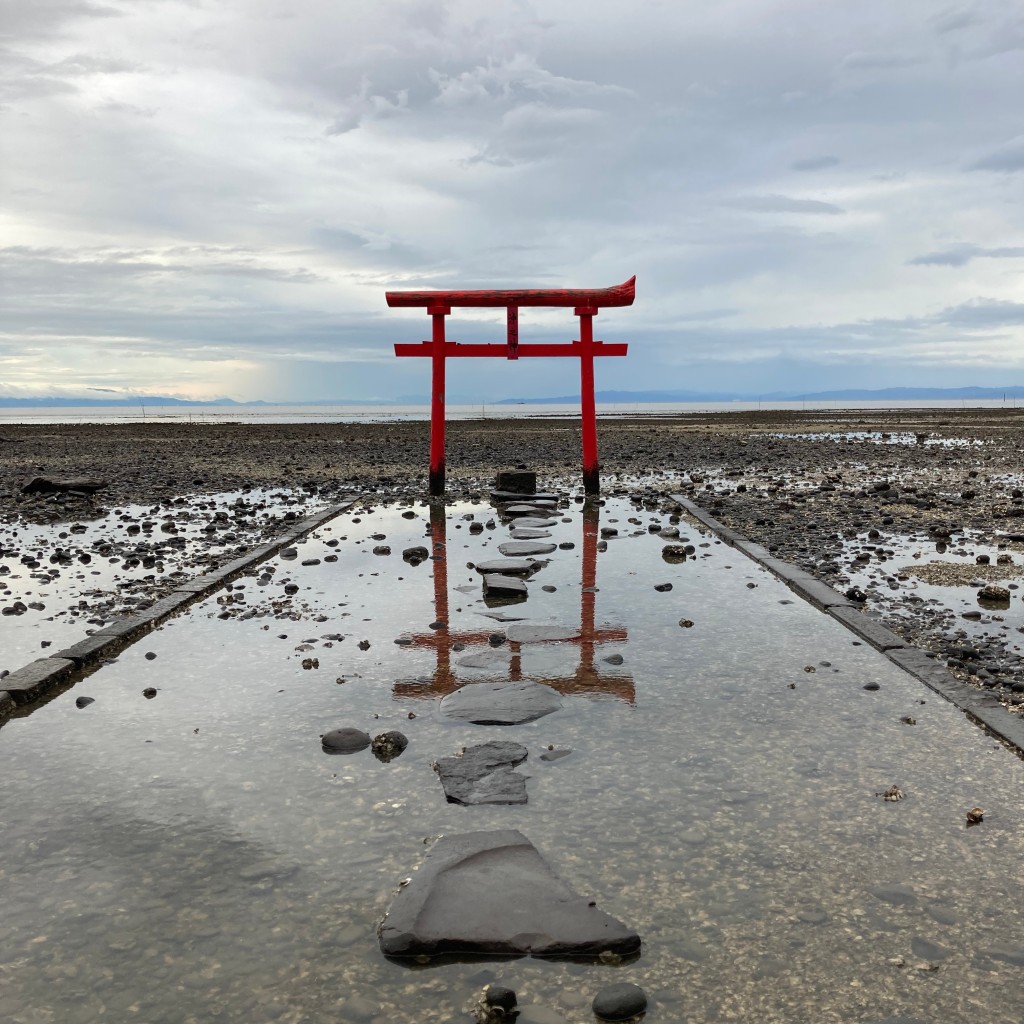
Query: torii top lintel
[[619, 295]]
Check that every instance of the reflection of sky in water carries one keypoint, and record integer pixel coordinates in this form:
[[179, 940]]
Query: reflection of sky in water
[[196, 856], [899, 437]]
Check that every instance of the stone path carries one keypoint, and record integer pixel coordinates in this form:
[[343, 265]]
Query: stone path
[[492, 892]]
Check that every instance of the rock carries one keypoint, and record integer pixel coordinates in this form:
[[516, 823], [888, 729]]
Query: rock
[[517, 481], [529, 533], [84, 702], [895, 895], [483, 774], [415, 555], [345, 741], [499, 585], [555, 754], [674, 553], [520, 511], [619, 1002], [508, 566], [149, 692], [530, 523], [529, 633], [44, 485], [493, 893], [500, 703], [500, 998], [382, 549], [388, 745], [662, 587], [486, 660], [994, 596], [927, 950], [1006, 954], [520, 548]]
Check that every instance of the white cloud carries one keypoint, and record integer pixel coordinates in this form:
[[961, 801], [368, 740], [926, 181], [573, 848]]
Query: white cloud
[[203, 183]]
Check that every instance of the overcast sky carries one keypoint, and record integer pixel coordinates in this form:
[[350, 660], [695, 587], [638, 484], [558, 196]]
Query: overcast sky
[[209, 197]]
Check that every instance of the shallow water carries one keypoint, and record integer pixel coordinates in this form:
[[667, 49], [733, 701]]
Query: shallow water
[[106, 568], [945, 575], [197, 857], [899, 437]]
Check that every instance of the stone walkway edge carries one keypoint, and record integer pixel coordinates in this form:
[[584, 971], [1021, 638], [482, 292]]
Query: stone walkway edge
[[981, 707], [37, 679]]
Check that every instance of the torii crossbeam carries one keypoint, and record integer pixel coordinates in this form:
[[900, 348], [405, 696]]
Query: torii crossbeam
[[586, 302]]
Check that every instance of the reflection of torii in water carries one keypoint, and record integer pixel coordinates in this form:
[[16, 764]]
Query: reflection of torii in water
[[586, 678]]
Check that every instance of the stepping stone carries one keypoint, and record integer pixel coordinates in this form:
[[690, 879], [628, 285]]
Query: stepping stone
[[493, 893], [486, 659], [517, 511], [497, 585], [500, 496], [519, 481], [500, 703], [529, 534], [483, 774], [521, 548], [530, 633], [507, 566], [532, 523]]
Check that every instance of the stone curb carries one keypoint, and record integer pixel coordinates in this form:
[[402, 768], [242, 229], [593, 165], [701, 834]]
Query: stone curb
[[979, 706], [34, 680]]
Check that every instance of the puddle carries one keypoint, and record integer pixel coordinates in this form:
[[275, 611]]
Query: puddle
[[59, 581], [886, 437], [944, 575], [197, 856]]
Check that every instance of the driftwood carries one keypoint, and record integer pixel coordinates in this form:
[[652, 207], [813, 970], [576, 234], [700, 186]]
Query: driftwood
[[43, 485]]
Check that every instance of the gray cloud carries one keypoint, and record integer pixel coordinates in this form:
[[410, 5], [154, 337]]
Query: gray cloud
[[815, 163], [783, 204], [961, 255], [1007, 157], [878, 61]]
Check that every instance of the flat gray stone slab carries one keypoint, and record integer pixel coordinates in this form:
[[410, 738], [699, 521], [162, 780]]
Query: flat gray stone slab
[[498, 585], [521, 548], [531, 633], [517, 511], [500, 495], [529, 533], [483, 774], [37, 678], [531, 523], [507, 566], [500, 703], [486, 659], [493, 893]]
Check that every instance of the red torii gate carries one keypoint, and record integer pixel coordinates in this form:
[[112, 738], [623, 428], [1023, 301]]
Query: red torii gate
[[587, 303]]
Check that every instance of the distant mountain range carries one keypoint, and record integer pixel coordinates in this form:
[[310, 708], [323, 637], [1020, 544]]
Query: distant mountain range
[[49, 401], [603, 397], [849, 395]]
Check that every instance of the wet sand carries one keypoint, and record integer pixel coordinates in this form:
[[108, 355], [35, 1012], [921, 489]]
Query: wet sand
[[949, 475]]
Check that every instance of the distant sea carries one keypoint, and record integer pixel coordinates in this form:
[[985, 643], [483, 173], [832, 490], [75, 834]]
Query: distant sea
[[395, 413]]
